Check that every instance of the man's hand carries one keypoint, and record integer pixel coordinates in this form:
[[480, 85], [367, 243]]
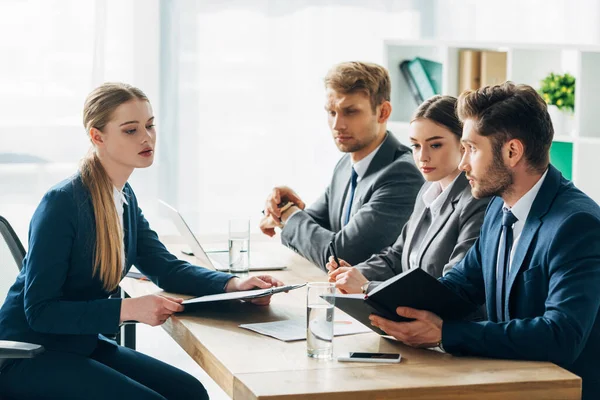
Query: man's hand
[[425, 331], [288, 213], [254, 282], [268, 225], [347, 279], [281, 194], [332, 265]]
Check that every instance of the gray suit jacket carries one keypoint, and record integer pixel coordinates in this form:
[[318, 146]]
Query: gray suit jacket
[[383, 201], [447, 241]]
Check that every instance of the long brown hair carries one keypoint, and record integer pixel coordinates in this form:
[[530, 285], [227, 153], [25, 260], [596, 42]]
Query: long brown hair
[[97, 112]]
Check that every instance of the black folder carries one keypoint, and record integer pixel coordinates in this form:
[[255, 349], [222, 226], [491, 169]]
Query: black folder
[[414, 288], [241, 295]]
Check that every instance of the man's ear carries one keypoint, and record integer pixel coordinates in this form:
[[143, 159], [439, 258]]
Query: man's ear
[[385, 110], [96, 137], [514, 151]]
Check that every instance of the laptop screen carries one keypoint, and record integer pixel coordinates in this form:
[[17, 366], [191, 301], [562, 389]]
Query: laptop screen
[[187, 234]]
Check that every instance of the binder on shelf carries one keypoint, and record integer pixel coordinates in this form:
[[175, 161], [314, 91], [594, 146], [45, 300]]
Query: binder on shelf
[[493, 67], [469, 70], [424, 77]]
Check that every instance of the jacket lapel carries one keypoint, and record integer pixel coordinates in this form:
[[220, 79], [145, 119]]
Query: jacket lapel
[[489, 258], [127, 231], [385, 155], [339, 191], [539, 208], [413, 223], [409, 245], [446, 211]]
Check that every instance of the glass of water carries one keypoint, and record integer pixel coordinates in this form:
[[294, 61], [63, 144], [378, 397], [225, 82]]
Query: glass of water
[[320, 301], [239, 245]]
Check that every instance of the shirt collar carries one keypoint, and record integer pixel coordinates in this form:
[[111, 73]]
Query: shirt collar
[[434, 197], [361, 166], [523, 205], [119, 196]]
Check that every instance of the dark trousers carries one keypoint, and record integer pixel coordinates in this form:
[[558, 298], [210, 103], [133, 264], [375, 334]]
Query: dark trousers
[[111, 372]]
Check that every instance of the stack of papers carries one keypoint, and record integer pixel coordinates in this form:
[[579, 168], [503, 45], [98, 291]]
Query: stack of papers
[[295, 329]]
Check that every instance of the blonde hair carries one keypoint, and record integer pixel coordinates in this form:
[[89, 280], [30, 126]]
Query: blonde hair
[[355, 76], [97, 112]]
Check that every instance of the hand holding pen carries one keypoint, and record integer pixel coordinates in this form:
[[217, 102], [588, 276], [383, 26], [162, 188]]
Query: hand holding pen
[[334, 262]]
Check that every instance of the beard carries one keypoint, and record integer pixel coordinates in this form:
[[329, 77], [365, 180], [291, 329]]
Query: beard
[[351, 147], [497, 180]]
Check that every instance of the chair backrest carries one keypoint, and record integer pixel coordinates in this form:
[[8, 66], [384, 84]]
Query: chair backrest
[[12, 254], [12, 242]]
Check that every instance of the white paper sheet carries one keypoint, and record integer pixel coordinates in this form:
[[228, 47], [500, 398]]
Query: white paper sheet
[[295, 329]]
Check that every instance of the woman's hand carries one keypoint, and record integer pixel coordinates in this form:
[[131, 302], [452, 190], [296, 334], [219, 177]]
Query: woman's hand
[[347, 279], [236, 284], [151, 309]]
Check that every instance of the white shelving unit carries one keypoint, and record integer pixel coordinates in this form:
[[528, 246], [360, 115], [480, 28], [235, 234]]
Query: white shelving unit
[[526, 63]]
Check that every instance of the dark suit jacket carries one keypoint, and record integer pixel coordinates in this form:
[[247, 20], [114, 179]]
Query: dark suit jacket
[[383, 201], [448, 239], [553, 286], [56, 301]]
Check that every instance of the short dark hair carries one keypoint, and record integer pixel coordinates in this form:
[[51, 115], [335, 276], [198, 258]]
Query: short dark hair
[[508, 111], [442, 111], [355, 76]]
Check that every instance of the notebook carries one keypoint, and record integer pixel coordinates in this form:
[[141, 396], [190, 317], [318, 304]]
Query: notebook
[[414, 288]]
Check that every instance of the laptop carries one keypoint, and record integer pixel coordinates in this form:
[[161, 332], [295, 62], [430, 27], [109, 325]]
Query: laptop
[[217, 260]]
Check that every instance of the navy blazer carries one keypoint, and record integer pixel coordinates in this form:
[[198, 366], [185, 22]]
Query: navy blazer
[[56, 300], [553, 286]]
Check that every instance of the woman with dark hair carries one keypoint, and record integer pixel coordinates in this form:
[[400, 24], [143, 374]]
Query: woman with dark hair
[[446, 219], [84, 236]]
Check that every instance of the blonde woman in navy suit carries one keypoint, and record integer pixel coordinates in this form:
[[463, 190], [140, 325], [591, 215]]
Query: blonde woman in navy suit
[[83, 238], [446, 219]]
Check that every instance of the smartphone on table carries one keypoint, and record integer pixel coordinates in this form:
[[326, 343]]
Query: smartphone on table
[[389, 358]]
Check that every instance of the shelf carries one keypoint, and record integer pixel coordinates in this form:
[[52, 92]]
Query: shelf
[[588, 140], [587, 92], [563, 138], [574, 153]]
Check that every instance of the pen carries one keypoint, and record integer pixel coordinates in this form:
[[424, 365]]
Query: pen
[[332, 250]]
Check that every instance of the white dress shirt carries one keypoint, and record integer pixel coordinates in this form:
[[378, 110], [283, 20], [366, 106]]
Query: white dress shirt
[[521, 211], [433, 198]]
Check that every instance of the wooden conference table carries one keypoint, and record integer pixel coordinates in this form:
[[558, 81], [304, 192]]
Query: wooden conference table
[[251, 366]]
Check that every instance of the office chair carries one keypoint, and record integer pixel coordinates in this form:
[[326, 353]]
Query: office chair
[[8, 349], [17, 250]]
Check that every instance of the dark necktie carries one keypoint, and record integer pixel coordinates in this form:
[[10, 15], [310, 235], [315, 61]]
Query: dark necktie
[[508, 219], [353, 180]]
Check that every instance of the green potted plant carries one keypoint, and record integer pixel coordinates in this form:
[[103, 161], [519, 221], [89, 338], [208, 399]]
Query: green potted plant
[[559, 92]]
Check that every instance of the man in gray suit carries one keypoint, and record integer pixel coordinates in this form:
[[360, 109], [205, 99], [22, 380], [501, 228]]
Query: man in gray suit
[[374, 186]]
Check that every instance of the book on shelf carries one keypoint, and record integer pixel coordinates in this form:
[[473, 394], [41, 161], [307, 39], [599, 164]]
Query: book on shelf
[[424, 77]]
